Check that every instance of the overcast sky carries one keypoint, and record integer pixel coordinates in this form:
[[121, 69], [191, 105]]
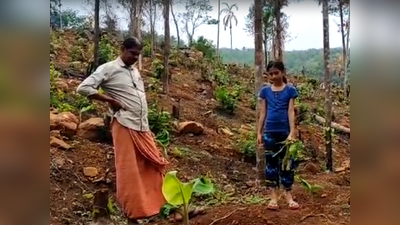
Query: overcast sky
[[305, 24]]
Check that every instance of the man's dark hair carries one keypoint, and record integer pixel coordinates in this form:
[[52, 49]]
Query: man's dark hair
[[132, 42]]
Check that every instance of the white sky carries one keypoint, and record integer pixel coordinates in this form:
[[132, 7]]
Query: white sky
[[305, 24]]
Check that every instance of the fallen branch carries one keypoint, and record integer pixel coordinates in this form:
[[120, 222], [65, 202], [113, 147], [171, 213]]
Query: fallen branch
[[227, 215], [335, 126]]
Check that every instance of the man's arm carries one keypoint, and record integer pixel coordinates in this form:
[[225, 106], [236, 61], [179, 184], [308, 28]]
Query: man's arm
[[89, 87]]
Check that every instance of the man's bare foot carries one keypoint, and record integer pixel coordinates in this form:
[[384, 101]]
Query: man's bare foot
[[177, 217], [132, 222], [292, 204]]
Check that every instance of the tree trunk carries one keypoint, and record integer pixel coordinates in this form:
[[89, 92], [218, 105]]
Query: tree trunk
[[139, 27], [167, 46], [258, 41], [346, 75], [151, 29], [327, 82], [133, 18], [336, 126], [265, 52], [278, 35], [344, 58], [219, 18], [230, 28], [96, 33], [176, 25]]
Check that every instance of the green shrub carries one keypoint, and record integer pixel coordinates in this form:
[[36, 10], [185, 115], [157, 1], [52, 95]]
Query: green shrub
[[227, 98]]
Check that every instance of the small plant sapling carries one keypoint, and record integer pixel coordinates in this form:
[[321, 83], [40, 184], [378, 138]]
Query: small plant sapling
[[178, 194], [311, 188]]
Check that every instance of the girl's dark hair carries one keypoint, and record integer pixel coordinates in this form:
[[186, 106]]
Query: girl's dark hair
[[132, 42], [280, 66]]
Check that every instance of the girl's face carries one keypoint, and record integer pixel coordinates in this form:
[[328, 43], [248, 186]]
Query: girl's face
[[275, 74]]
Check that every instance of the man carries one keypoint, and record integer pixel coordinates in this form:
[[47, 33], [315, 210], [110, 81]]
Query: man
[[139, 164]]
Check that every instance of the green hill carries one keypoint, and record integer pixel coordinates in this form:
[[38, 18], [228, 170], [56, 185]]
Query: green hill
[[311, 59]]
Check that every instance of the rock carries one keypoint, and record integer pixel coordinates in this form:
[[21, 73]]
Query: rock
[[340, 169], [190, 127], [68, 129], [226, 131], [92, 129], [186, 85], [57, 143], [324, 195], [90, 171], [59, 162], [245, 129], [312, 168], [56, 134], [53, 123], [67, 117], [346, 164]]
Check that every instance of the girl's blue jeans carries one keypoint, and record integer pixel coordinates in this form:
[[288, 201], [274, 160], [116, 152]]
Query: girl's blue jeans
[[275, 175]]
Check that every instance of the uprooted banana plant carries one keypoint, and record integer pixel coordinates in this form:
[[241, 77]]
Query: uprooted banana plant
[[178, 195]]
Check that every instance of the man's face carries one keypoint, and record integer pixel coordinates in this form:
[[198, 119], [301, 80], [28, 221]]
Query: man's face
[[131, 55]]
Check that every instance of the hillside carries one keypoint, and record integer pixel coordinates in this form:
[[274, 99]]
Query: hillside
[[220, 101]]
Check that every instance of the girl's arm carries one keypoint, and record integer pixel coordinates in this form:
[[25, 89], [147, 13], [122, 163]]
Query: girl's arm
[[263, 115], [291, 117]]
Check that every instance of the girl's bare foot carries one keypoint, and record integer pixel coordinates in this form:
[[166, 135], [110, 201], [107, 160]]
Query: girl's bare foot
[[273, 204], [292, 204]]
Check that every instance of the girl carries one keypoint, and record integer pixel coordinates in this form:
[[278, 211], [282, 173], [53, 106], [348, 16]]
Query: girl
[[276, 124]]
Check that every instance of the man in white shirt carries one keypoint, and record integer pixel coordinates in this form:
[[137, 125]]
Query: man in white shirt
[[139, 164]]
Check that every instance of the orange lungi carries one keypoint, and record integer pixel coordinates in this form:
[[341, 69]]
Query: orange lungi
[[139, 172]]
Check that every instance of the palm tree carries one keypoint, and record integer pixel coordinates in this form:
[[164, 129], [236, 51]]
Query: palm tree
[[229, 17]]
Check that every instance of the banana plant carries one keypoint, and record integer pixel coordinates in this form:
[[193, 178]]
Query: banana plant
[[311, 188], [178, 194]]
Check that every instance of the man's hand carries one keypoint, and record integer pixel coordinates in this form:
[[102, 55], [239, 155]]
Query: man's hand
[[116, 105]]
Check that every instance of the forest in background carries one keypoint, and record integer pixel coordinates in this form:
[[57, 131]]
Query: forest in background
[[311, 60]]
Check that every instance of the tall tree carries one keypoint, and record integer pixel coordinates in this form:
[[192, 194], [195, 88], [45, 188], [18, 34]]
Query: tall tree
[[258, 73], [167, 46], [175, 18], [219, 25], [269, 26], [196, 15], [229, 17], [327, 84], [96, 38], [278, 41]]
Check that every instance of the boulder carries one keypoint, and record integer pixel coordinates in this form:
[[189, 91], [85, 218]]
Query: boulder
[[58, 143], [190, 127], [93, 129]]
